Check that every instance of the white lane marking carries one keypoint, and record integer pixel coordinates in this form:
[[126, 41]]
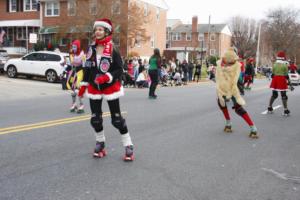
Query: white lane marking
[[274, 108]]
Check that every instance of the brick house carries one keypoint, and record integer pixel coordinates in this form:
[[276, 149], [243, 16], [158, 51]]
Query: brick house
[[191, 41], [19, 18], [46, 17]]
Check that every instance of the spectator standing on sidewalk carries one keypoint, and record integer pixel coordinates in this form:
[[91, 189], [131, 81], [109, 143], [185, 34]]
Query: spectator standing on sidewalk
[[191, 70], [197, 71]]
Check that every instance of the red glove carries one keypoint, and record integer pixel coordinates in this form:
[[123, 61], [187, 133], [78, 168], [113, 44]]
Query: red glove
[[102, 79], [82, 91]]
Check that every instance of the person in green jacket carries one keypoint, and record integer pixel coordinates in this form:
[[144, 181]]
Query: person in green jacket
[[154, 65]]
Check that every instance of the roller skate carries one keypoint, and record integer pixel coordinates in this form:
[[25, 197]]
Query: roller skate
[[228, 129], [99, 151], [80, 109], [270, 110], [253, 135], [286, 113], [128, 154], [153, 96], [73, 108]]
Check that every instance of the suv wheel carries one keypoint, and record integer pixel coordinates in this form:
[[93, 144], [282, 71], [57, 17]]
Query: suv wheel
[[11, 71], [51, 76]]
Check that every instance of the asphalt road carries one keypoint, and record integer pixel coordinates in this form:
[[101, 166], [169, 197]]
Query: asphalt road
[[180, 147]]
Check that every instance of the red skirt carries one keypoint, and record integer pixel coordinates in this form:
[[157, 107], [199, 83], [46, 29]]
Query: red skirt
[[279, 83], [110, 93], [248, 78]]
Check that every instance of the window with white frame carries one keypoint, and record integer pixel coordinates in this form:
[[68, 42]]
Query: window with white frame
[[201, 37], [157, 14], [188, 36], [145, 9], [52, 9], [12, 5], [212, 37], [30, 5], [138, 38], [71, 8], [21, 33], [116, 7], [93, 7], [176, 36], [152, 41], [212, 52]]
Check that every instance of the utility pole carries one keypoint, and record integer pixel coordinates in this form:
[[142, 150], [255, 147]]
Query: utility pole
[[257, 50], [27, 39], [208, 49]]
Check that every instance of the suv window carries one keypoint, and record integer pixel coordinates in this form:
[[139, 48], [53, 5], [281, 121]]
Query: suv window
[[3, 53], [33, 56], [52, 57]]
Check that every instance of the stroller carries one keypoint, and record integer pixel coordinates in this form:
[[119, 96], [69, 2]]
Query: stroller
[[165, 78], [177, 78]]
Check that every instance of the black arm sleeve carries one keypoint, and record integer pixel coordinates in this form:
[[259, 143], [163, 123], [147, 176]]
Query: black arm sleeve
[[87, 70], [117, 63]]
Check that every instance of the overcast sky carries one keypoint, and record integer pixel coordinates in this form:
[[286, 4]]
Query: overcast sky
[[221, 10]]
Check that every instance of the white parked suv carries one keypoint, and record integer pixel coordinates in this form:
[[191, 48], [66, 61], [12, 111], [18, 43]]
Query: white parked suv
[[3, 59], [41, 63], [294, 78]]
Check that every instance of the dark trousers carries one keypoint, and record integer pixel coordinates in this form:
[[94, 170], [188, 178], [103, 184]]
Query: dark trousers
[[154, 81]]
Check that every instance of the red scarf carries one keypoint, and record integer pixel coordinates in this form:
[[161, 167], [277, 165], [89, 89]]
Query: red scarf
[[107, 44]]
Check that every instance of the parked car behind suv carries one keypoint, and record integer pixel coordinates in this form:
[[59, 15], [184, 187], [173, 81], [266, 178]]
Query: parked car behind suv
[[41, 63], [3, 59]]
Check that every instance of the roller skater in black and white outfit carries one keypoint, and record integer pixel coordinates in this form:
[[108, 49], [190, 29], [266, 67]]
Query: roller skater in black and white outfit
[[102, 80]]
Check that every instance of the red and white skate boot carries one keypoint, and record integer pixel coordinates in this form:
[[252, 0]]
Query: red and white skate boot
[[128, 157], [99, 151], [80, 109], [73, 108]]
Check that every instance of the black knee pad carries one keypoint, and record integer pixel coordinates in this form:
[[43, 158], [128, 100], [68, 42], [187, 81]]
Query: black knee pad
[[119, 123], [284, 97], [240, 110], [97, 123], [275, 95]]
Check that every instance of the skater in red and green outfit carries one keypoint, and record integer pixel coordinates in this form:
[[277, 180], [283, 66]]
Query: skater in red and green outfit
[[249, 73], [280, 80], [227, 75]]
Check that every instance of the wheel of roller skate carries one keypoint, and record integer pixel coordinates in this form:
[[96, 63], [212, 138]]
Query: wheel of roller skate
[[101, 154], [227, 130], [253, 135], [80, 111], [128, 158]]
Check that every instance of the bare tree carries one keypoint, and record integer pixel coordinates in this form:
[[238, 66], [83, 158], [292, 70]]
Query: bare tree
[[128, 20], [136, 21], [244, 35], [282, 31]]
